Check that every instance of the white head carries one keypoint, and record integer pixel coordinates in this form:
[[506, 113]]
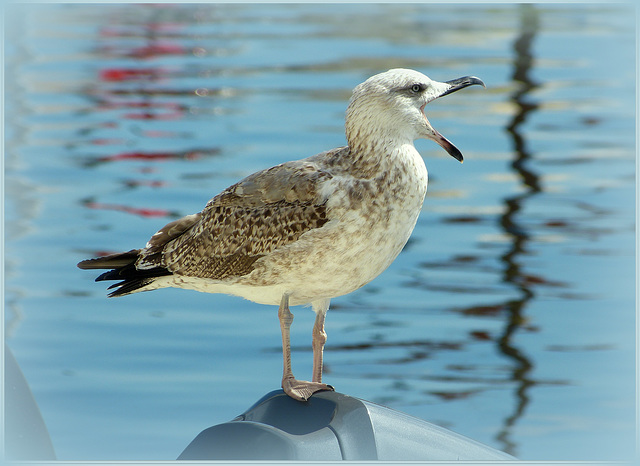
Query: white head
[[390, 107]]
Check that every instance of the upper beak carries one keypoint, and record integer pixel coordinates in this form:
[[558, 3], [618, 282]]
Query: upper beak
[[453, 86], [461, 83]]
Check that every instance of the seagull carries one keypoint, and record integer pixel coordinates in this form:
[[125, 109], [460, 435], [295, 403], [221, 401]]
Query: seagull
[[305, 231]]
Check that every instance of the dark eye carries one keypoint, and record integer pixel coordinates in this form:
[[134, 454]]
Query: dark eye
[[417, 88]]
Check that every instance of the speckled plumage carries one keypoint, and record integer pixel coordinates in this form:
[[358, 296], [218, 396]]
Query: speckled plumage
[[309, 230]]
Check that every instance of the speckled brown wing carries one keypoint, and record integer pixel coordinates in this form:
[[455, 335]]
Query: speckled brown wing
[[261, 213]]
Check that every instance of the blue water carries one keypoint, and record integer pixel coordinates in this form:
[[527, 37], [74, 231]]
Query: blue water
[[510, 315]]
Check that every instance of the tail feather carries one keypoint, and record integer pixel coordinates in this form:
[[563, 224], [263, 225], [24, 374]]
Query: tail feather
[[123, 267], [112, 261]]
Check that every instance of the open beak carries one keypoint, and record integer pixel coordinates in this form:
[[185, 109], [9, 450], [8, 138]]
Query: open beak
[[448, 88]]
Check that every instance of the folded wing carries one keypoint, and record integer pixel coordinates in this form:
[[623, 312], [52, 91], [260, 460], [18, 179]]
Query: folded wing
[[248, 220]]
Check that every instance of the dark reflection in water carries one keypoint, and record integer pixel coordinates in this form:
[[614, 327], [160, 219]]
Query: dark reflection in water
[[513, 274]]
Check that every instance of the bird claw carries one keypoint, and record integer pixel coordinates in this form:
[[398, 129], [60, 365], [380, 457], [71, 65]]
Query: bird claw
[[302, 390]]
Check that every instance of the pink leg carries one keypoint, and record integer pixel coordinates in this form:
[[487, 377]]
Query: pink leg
[[297, 389], [319, 338]]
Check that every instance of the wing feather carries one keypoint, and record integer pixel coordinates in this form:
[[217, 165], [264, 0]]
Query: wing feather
[[261, 213]]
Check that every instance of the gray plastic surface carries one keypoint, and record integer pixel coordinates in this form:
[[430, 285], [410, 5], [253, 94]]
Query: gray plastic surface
[[331, 426]]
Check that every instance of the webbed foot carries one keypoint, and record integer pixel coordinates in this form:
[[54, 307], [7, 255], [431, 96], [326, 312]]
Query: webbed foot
[[302, 390]]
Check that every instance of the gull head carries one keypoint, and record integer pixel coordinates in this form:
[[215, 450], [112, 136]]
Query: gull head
[[388, 109]]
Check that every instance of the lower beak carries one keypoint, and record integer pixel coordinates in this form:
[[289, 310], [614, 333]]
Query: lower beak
[[449, 147], [445, 143]]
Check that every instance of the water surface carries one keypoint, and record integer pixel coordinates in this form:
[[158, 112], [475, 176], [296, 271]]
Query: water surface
[[510, 315]]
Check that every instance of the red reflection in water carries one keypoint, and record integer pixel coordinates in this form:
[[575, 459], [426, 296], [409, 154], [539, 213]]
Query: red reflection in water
[[142, 212], [155, 44], [150, 109], [157, 156], [168, 111], [106, 141], [159, 48], [129, 74], [158, 134], [139, 156]]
